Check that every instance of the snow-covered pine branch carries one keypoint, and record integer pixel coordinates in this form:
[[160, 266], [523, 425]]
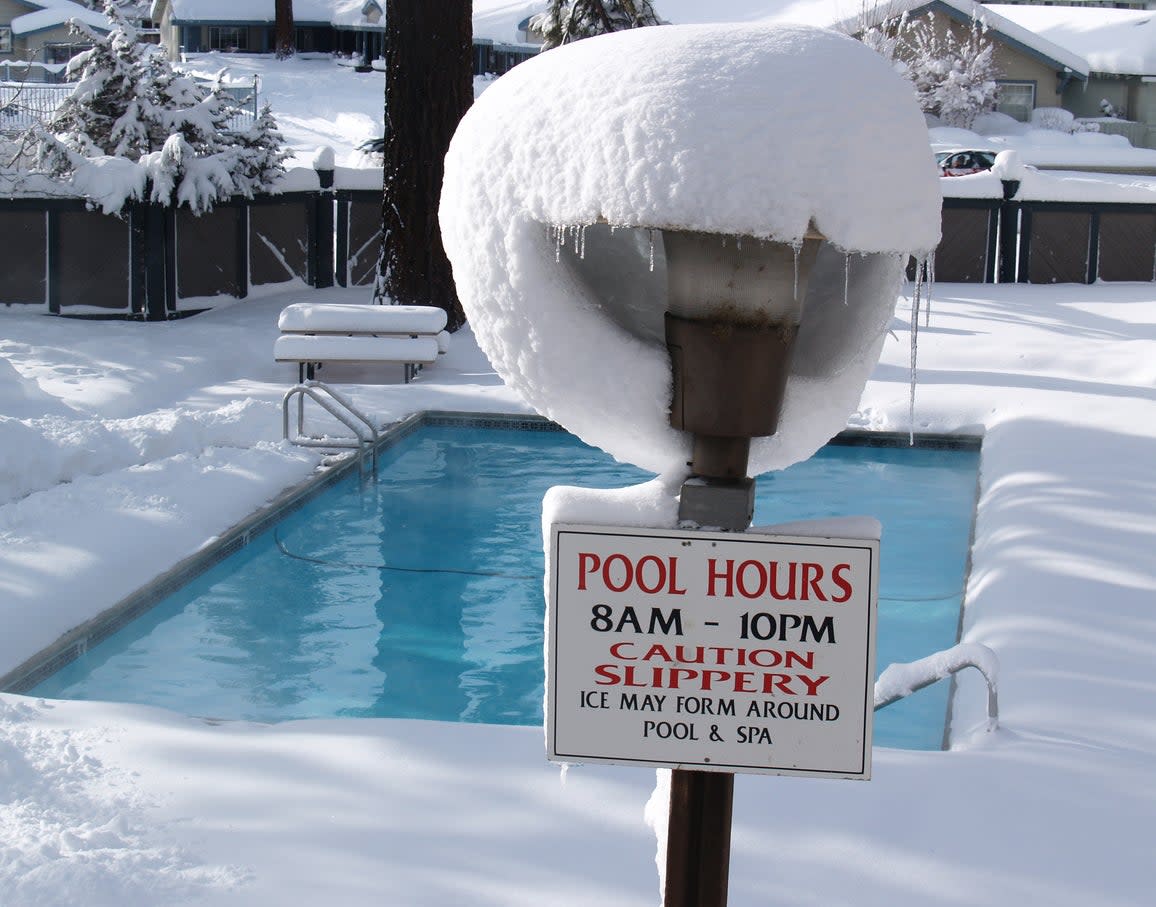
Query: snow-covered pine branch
[[570, 20]]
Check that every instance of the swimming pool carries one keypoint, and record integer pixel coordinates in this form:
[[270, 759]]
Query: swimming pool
[[421, 596]]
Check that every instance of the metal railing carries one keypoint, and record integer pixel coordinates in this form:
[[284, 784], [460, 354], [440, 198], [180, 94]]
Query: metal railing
[[366, 435], [901, 680], [23, 104]]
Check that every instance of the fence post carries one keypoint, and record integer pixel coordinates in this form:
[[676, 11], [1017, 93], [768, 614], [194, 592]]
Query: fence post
[[321, 228], [1009, 229], [1093, 249], [156, 259], [341, 251]]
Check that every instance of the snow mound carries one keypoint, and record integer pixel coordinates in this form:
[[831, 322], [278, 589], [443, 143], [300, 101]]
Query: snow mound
[[602, 143]]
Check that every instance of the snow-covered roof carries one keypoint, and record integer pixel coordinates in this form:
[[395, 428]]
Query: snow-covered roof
[[54, 13], [500, 18], [1116, 41]]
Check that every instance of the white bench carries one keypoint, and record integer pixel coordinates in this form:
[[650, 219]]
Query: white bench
[[315, 333]]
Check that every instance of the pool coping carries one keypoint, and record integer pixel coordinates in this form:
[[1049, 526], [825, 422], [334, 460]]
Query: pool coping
[[74, 643]]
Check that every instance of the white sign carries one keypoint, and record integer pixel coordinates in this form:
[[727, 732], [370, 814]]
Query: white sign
[[721, 651]]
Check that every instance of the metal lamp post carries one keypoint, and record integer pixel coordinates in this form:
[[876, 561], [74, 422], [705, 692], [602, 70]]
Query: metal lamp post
[[734, 308]]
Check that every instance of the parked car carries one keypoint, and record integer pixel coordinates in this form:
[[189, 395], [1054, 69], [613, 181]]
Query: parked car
[[962, 161]]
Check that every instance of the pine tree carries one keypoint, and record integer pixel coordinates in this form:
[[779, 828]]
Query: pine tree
[[130, 103], [571, 20]]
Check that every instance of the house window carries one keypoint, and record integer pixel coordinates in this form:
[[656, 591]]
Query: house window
[[5, 39], [62, 53], [228, 38], [1017, 99]]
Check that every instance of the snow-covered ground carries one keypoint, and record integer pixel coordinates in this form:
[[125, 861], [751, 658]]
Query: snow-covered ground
[[125, 447]]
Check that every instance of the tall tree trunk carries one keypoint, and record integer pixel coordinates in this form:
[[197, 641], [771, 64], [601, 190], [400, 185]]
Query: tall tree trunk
[[284, 36], [428, 87]]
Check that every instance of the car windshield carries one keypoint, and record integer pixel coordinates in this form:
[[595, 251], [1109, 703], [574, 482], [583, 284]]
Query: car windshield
[[965, 160]]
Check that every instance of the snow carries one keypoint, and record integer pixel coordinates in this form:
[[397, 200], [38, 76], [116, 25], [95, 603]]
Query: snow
[[1048, 148], [126, 447], [605, 150], [1118, 41]]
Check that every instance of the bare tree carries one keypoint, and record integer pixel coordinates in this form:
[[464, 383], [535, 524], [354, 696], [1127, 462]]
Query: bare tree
[[428, 87]]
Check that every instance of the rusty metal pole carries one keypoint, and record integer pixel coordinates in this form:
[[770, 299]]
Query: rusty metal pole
[[698, 843], [698, 836], [729, 378]]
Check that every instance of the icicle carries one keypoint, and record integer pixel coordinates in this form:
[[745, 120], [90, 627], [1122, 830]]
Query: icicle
[[556, 230], [582, 242], [563, 771], [846, 277], [795, 292], [929, 266], [651, 232]]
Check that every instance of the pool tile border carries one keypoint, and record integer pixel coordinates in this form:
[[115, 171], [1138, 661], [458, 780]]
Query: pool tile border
[[80, 639]]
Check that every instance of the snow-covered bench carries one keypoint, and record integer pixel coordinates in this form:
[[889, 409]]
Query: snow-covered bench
[[315, 333]]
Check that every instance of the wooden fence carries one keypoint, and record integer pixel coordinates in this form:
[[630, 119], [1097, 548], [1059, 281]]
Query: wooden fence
[[156, 262], [1012, 240]]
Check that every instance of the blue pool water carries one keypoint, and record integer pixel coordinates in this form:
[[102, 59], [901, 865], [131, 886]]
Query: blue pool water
[[422, 597]]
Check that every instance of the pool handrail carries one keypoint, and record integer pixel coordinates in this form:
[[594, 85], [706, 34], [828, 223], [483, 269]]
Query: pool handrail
[[900, 680], [341, 408]]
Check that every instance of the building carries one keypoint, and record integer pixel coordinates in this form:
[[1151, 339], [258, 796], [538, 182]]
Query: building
[[353, 28], [36, 41], [1120, 48]]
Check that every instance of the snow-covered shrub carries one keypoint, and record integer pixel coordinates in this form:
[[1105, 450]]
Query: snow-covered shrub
[[1054, 118], [995, 123], [130, 104], [954, 77], [570, 20]]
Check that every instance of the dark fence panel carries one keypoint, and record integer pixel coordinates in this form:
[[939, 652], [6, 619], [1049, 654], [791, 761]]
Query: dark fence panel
[[966, 252], [364, 219], [88, 261], [278, 242], [1058, 245], [24, 263], [1128, 245], [211, 253]]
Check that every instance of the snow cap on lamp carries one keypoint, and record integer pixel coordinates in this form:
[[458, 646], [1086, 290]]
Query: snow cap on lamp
[[760, 132]]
